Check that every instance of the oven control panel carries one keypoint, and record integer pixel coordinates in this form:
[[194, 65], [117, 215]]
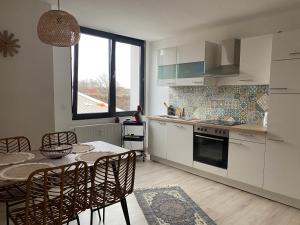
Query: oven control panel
[[210, 130]]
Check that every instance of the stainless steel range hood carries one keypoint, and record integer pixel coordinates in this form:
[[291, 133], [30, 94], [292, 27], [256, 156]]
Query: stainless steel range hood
[[230, 59]]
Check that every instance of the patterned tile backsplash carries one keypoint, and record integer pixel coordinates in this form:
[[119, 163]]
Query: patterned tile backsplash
[[246, 104]]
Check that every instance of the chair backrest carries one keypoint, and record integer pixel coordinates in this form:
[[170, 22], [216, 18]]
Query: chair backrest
[[15, 144], [113, 178], [59, 138], [55, 195]]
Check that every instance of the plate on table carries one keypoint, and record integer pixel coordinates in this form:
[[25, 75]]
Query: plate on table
[[91, 157], [21, 172], [15, 158], [82, 148]]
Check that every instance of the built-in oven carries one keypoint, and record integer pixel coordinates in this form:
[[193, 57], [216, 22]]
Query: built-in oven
[[211, 146]]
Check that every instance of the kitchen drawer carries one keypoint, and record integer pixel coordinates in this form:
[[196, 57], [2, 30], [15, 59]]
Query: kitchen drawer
[[247, 136], [286, 45]]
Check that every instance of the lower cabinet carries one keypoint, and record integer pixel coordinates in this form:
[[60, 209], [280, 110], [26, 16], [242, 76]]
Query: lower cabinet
[[246, 162], [179, 143], [282, 167], [171, 141], [157, 138]]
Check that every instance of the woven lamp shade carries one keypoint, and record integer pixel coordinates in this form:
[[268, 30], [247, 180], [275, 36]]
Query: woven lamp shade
[[58, 28]]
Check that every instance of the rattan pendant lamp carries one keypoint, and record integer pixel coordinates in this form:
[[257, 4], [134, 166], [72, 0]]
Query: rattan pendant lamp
[[58, 28]]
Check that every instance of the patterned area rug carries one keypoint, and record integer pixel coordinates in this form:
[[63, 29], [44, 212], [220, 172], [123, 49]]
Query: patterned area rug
[[170, 206]]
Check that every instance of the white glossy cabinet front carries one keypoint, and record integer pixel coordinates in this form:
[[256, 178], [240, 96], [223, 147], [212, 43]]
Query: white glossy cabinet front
[[286, 45], [285, 76], [157, 138], [246, 162], [167, 56], [180, 143], [255, 62], [193, 52], [282, 164]]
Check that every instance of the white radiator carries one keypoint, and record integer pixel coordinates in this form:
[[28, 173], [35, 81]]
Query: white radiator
[[108, 132]]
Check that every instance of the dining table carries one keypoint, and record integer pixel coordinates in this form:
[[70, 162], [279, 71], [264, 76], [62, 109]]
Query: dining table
[[98, 146]]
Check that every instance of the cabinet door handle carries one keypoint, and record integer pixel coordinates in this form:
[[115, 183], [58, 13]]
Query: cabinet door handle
[[161, 123], [231, 142], [246, 80], [277, 140], [171, 83], [247, 135], [278, 88], [197, 82], [179, 126], [294, 53]]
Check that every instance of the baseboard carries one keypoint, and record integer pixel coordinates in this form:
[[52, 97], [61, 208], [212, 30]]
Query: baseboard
[[232, 183]]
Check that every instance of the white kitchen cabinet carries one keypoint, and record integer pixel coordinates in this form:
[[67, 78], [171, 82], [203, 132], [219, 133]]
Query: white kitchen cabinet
[[255, 62], [167, 68], [167, 56], [282, 163], [286, 45], [246, 161], [285, 76], [185, 65], [192, 52], [193, 60], [157, 138], [180, 143]]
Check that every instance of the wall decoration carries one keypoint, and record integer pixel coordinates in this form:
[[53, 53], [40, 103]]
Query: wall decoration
[[239, 103], [8, 44]]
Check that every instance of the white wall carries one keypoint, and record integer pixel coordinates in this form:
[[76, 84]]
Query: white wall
[[26, 80], [262, 25]]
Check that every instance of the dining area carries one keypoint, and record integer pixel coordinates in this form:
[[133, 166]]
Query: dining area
[[63, 178]]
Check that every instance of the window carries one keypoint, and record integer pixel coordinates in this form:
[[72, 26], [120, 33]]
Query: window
[[108, 75]]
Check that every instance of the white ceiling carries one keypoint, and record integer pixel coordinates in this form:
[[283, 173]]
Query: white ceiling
[[157, 19]]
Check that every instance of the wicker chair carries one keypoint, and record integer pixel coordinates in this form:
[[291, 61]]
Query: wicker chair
[[113, 180], [15, 144], [14, 193], [59, 138], [54, 196]]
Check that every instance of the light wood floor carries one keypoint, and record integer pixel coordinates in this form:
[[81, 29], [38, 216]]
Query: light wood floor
[[224, 204]]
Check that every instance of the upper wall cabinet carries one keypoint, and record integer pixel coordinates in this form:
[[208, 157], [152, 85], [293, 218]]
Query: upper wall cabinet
[[166, 60], [185, 65], [255, 62], [193, 60], [286, 45]]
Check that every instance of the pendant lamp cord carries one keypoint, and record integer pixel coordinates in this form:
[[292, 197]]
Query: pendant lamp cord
[[58, 4]]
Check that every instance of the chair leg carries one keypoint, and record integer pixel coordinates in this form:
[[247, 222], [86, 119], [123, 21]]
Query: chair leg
[[77, 219], [103, 214], [99, 214], [125, 210], [91, 219], [7, 214]]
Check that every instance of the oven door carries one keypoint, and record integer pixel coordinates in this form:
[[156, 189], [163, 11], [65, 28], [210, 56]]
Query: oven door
[[211, 150]]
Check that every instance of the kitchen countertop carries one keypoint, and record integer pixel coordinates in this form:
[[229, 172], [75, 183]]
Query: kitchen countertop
[[243, 127]]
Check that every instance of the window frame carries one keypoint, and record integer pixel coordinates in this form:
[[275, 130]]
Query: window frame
[[113, 38]]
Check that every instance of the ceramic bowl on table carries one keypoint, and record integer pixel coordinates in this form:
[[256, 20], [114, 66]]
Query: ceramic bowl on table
[[56, 151]]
